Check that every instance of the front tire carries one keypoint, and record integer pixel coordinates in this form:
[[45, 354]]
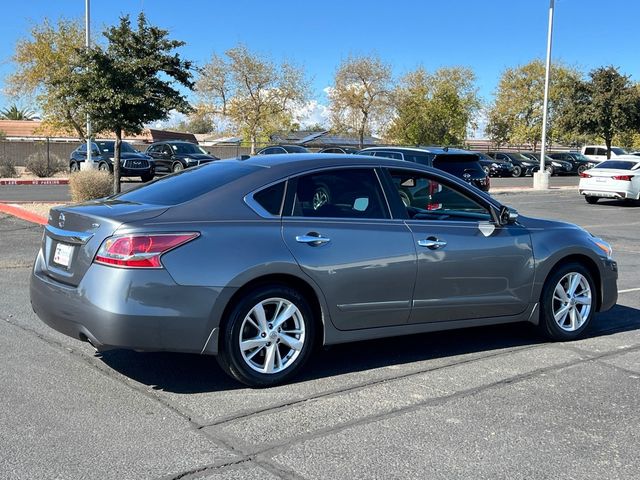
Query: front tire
[[268, 336], [568, 302], [103, 167], [177, 167], [517, 171], [74, 167], [591, 200], [147, 177]]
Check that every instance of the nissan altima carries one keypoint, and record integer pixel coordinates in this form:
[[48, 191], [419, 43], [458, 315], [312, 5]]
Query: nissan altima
[[259, 261]]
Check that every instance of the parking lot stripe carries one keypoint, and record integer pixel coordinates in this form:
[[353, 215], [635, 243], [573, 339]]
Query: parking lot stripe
[[629, 290]]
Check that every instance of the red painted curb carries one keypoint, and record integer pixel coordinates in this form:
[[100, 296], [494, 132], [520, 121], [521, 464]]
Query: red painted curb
[[38, 181], [23, 214]]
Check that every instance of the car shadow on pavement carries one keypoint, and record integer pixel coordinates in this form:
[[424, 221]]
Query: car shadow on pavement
[[187, 373]]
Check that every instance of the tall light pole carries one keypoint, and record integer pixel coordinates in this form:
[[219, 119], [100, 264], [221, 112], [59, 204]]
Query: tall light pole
[[541, 178], [88, 164]]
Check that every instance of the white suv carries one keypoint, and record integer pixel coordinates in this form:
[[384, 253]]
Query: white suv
[[598, 153]]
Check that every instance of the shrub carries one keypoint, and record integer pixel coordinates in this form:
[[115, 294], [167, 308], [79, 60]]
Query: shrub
[[40, 167], [90, 184], [7, 168]]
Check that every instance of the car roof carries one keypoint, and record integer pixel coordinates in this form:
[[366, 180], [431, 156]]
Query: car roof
[[436, 150], [174, 141]]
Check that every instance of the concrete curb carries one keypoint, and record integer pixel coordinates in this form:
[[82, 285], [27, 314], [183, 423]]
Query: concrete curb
[[35, 181], [22, 214]]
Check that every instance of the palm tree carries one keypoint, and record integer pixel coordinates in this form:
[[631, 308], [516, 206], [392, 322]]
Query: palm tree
[[15, 113]]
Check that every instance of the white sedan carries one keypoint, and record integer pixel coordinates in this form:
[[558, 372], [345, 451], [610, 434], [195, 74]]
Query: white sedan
[[618, 178]]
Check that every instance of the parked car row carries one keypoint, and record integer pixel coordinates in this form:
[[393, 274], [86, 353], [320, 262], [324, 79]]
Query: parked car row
[[474, 167]]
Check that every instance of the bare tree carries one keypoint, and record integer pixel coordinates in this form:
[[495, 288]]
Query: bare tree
[[360, 95], [252, 92]]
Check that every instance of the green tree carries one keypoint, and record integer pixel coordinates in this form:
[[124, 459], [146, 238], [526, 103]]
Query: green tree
[[516, 115], [360, 96], [44, 64], [434, 108], [200, 120], [256, 95], [131, 82], [15, 113], [605, 105]]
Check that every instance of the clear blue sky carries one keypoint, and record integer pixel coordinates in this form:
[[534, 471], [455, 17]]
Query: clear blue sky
[[487, 36]]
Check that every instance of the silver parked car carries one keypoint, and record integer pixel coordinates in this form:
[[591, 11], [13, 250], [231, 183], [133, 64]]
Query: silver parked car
[[258, 261]]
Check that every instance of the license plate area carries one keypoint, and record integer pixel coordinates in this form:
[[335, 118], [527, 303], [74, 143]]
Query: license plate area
[[63, 254]]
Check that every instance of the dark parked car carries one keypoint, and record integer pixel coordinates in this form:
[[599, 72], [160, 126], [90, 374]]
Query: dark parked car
[[521, 165], [276, 149], [175, 156], [132, 162], [348, 150], [493, 167], [579, 163], [259, 265], [461, 163], [553, 166]]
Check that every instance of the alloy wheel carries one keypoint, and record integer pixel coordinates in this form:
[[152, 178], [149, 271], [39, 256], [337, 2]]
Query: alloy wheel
[[572, 301], [272, 336]]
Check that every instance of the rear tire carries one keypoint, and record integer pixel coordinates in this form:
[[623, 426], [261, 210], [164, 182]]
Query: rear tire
[[591, 200], [568, 302], [267, 337]]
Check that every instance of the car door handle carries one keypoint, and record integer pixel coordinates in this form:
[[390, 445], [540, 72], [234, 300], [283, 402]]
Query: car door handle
[[432, 243], [312, 238]]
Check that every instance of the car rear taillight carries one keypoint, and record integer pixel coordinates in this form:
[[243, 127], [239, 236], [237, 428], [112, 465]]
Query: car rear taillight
[[584, 175], [626, 178], [140, 250]]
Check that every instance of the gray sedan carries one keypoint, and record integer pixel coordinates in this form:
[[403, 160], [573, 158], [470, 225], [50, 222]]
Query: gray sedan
[[258, 261]]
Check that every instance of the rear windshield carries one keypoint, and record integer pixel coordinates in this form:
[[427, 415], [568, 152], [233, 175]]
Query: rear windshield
[[188, 184], [457, 164], [618, 164]]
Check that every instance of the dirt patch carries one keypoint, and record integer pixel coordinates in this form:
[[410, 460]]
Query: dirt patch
[[40, 209]]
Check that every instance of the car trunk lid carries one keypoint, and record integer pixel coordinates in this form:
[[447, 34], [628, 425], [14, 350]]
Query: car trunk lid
[[74, 234]]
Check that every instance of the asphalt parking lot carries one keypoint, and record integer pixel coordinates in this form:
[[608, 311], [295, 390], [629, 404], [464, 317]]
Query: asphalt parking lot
[[485, 403]]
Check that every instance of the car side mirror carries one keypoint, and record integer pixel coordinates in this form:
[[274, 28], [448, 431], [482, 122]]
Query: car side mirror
[[507, 216]]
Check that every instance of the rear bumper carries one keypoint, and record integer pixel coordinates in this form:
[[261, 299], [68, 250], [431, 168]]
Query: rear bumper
[[620, 194], [133, 309]]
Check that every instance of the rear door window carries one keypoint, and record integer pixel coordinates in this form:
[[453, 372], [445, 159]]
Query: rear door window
[[340, 193]]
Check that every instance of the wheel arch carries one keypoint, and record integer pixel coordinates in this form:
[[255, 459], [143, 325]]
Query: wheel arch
[[285, 279], [586, 262]]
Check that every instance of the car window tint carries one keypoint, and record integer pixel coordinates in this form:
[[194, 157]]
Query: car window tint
[[368, 153], [617, 164], [271, 198], [422, 159], [589, 151], [82, 148], [188, 184], [396, 155], [428, 199], [166, 150], [601, 151], [342, 193]]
